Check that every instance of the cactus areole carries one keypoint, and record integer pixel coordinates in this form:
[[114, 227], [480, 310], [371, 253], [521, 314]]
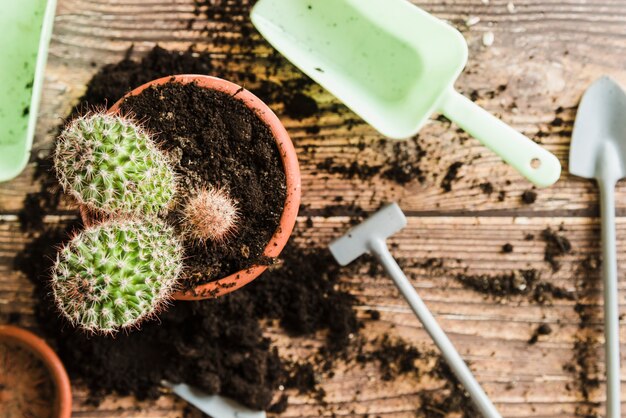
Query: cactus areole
[[114, 275], [111, 165]]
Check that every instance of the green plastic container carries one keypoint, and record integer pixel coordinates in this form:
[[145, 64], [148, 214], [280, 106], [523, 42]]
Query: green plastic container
[[394, 65], [25, 30]]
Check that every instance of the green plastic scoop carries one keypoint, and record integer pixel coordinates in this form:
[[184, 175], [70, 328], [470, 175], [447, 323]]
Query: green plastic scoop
[[25, 30], [394, 65]]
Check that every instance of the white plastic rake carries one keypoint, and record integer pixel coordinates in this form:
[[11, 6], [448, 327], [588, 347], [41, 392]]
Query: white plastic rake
[[370, 237]]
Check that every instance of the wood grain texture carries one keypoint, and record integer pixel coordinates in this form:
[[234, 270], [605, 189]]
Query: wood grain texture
[[545, 52]]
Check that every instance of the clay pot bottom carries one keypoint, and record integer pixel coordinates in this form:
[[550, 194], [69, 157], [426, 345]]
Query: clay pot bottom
[[289, 159], [28, 363]]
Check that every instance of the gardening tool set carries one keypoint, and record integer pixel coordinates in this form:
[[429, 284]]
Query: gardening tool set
[[394, 65]]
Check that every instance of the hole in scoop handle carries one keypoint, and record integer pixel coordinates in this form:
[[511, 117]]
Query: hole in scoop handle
[[532, 161]]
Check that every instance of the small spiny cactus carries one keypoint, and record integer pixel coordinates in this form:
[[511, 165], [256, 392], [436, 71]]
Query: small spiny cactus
[[114, 275], [110, 164], [211, 215]]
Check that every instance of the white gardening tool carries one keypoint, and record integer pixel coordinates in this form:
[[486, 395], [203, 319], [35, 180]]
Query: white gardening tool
[[598, 151], [213, 405], [370, 237]]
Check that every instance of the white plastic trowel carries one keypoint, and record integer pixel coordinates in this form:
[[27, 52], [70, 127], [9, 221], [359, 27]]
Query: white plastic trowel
[[598, 151]]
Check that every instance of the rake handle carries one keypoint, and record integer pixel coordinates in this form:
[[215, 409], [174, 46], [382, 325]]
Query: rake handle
[[379, 248]]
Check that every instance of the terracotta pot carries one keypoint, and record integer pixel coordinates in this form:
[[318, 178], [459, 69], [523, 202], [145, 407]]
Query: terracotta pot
[[37, 346], [292, 173]]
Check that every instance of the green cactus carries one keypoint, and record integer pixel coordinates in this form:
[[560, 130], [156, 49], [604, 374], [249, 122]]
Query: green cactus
[[116, 274], [110, 164]]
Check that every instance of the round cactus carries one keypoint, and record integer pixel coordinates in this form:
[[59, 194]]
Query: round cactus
[[211, 214], [110, 164], [114, 275]]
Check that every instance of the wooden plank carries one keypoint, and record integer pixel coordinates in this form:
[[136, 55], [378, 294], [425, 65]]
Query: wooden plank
[[88, 32], [545, 52], [491, 334]]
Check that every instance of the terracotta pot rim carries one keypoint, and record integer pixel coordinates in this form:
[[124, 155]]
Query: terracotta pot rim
[[52, 362], [291, 167]]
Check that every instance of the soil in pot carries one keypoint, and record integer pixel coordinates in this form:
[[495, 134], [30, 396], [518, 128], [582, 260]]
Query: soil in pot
[[26, 386], [214, 139]]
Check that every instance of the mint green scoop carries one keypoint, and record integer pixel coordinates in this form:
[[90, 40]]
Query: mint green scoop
[[394, 65], [25, 29]]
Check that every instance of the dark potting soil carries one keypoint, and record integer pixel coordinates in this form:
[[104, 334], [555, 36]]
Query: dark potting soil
[[557, 245], [300, 106], [213, 139], [402, 162], [113, 81], [451, 398], [486, 188], [529, 197], [451, 176], [543, 329], [584, 365], [517, 282], [396, 357], [216, 345]]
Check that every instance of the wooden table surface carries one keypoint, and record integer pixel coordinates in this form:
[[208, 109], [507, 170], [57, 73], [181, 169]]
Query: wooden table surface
[[546, 52]]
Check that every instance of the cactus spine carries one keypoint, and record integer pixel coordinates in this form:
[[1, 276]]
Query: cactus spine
[[110, 164], [114, 275]]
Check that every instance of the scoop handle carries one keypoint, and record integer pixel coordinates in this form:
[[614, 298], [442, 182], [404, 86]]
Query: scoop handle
[[532, 161]]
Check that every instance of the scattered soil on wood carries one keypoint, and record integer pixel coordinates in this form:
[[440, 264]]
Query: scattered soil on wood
[[113, 81], [529, 197], [214, 140], [557, 245], [395, 357], [451, 176], [451, 399], [543, 329], [217, 345], [397, 161], [515, 283], [486, 188], [584, 365], [300, 106]]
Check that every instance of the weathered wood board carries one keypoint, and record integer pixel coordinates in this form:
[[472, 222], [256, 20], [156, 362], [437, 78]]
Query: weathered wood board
[[545, 52]]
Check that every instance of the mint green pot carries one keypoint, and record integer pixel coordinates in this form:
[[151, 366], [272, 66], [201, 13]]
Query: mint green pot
[[25, 30]]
